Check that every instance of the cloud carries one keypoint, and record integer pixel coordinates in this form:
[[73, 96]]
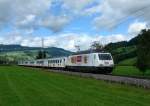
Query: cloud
[[22, 13], [32, 14], [76, 5], [135, 28], [66, 40], [55, 23], [111, 13]]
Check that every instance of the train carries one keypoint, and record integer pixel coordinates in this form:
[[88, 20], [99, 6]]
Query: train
[[100, 62]]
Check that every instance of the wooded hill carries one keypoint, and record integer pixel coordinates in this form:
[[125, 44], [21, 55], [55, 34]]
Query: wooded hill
[[123, 50], [17, 52]]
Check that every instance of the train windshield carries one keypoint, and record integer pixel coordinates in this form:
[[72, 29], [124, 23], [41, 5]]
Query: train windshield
[[105, 57]]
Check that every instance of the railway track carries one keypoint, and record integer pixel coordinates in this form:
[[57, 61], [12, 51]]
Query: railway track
[[139, 82]]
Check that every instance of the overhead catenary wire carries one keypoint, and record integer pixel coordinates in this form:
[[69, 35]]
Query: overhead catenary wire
[[137, 13]]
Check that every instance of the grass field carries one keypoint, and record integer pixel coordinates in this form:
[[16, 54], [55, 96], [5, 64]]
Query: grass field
[[128, 62], [30, 87], [127, 67], [130, 71]]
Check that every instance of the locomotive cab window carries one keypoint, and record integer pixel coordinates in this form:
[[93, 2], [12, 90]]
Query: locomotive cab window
[[105, 57]]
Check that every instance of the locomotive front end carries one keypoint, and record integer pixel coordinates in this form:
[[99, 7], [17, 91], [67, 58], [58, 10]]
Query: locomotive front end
[[106, 62]]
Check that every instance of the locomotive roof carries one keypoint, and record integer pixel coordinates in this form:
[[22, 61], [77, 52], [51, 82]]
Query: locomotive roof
[[89, 51]]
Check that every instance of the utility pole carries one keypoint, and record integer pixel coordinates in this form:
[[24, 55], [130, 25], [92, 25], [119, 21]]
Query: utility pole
[[42, 43], [42, 49]]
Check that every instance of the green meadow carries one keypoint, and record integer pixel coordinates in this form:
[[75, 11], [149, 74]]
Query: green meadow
[[20, 86], [127, 68]]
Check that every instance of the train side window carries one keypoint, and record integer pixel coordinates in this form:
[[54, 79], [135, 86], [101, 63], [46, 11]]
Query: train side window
[[94, 56], [79, 58]]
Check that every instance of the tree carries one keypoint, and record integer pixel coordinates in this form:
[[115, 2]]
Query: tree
[[41, 55], [143, 51], [97, 46]]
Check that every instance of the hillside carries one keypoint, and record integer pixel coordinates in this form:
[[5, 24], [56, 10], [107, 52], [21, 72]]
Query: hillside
[[128, 62], [123, 50], [14, 48], [17, 52]]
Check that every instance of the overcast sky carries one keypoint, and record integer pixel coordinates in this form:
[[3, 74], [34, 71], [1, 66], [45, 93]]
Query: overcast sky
[[66, 23]]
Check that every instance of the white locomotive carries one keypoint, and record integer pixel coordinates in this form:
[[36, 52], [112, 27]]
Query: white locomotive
[[86, 62]]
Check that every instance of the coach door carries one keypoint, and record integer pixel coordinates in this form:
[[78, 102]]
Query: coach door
[[63, 62]]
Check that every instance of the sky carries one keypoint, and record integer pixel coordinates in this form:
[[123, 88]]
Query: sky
[[66, 23]]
